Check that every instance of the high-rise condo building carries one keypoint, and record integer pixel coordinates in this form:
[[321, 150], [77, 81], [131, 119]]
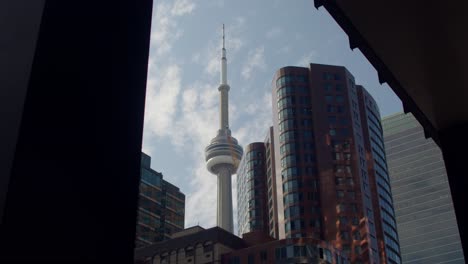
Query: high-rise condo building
[[223, 154], [330, 163], [256, 189], [161, 207], [421, 194]]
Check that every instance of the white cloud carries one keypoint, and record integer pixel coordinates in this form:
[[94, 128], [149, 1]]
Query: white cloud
[[182, 7], [308, 58], [161, 99], [255, 61], [213, 62], [164, 30], [274, 32], [260, 119], [216, 3], [189, 131], [201, 204], [284, 49], [196, 57]]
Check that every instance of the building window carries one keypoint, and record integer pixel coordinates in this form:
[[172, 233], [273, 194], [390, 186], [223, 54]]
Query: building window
[[307, 122], [329, 98], [263, 255], [286, 101], [208, 247], [332, 132], [285, 90], [357, 250], [327, 76], [308, 146], [286, 113], [301, 78], [331, 109], [345, 235], [287, 79], [287, 148], [344, 121], [347, 156], [315, 223], [339, 181], [308, 158], [346, 249], [336, 156], [235, 260], [189, 252], [343, 220], [345, 132], [346, 145], [307, 111], [338, 168], [292, 198], [332, 119], [357, 235], [289, 173], [287, 125], [340, 194], [336, 77], [340, 208], [250, 259], [288, 161], [312, 196], [290, 186], [347, 168], [304, 100], [339, 87], [328, 87], [293, 211], [287, 136], [339, 99], [356, 115], [308, 134], [335, 144]]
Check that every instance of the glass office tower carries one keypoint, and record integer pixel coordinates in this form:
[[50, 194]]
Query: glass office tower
[[161, 207], [421, 194]]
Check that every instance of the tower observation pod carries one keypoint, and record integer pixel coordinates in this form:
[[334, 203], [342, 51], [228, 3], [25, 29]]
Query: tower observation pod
[[223, 154]]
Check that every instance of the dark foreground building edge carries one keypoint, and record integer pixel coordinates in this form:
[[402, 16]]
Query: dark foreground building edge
[[72, 106]]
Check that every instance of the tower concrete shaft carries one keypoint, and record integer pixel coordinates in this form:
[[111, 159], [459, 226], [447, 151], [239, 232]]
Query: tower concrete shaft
[[223, 154], [224, 216]]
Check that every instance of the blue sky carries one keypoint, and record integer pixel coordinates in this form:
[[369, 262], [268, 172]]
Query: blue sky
[[181, 113]]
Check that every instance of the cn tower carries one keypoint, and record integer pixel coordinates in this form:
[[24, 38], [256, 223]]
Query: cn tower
[[223, 154]]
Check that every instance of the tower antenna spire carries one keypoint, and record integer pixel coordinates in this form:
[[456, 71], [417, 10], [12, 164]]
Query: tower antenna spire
[[223, 62], [223, 36]]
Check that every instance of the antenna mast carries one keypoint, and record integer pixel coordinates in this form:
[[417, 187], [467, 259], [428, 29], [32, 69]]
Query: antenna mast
[[223, 37]]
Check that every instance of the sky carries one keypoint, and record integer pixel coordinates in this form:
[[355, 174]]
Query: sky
[[181, 112]]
